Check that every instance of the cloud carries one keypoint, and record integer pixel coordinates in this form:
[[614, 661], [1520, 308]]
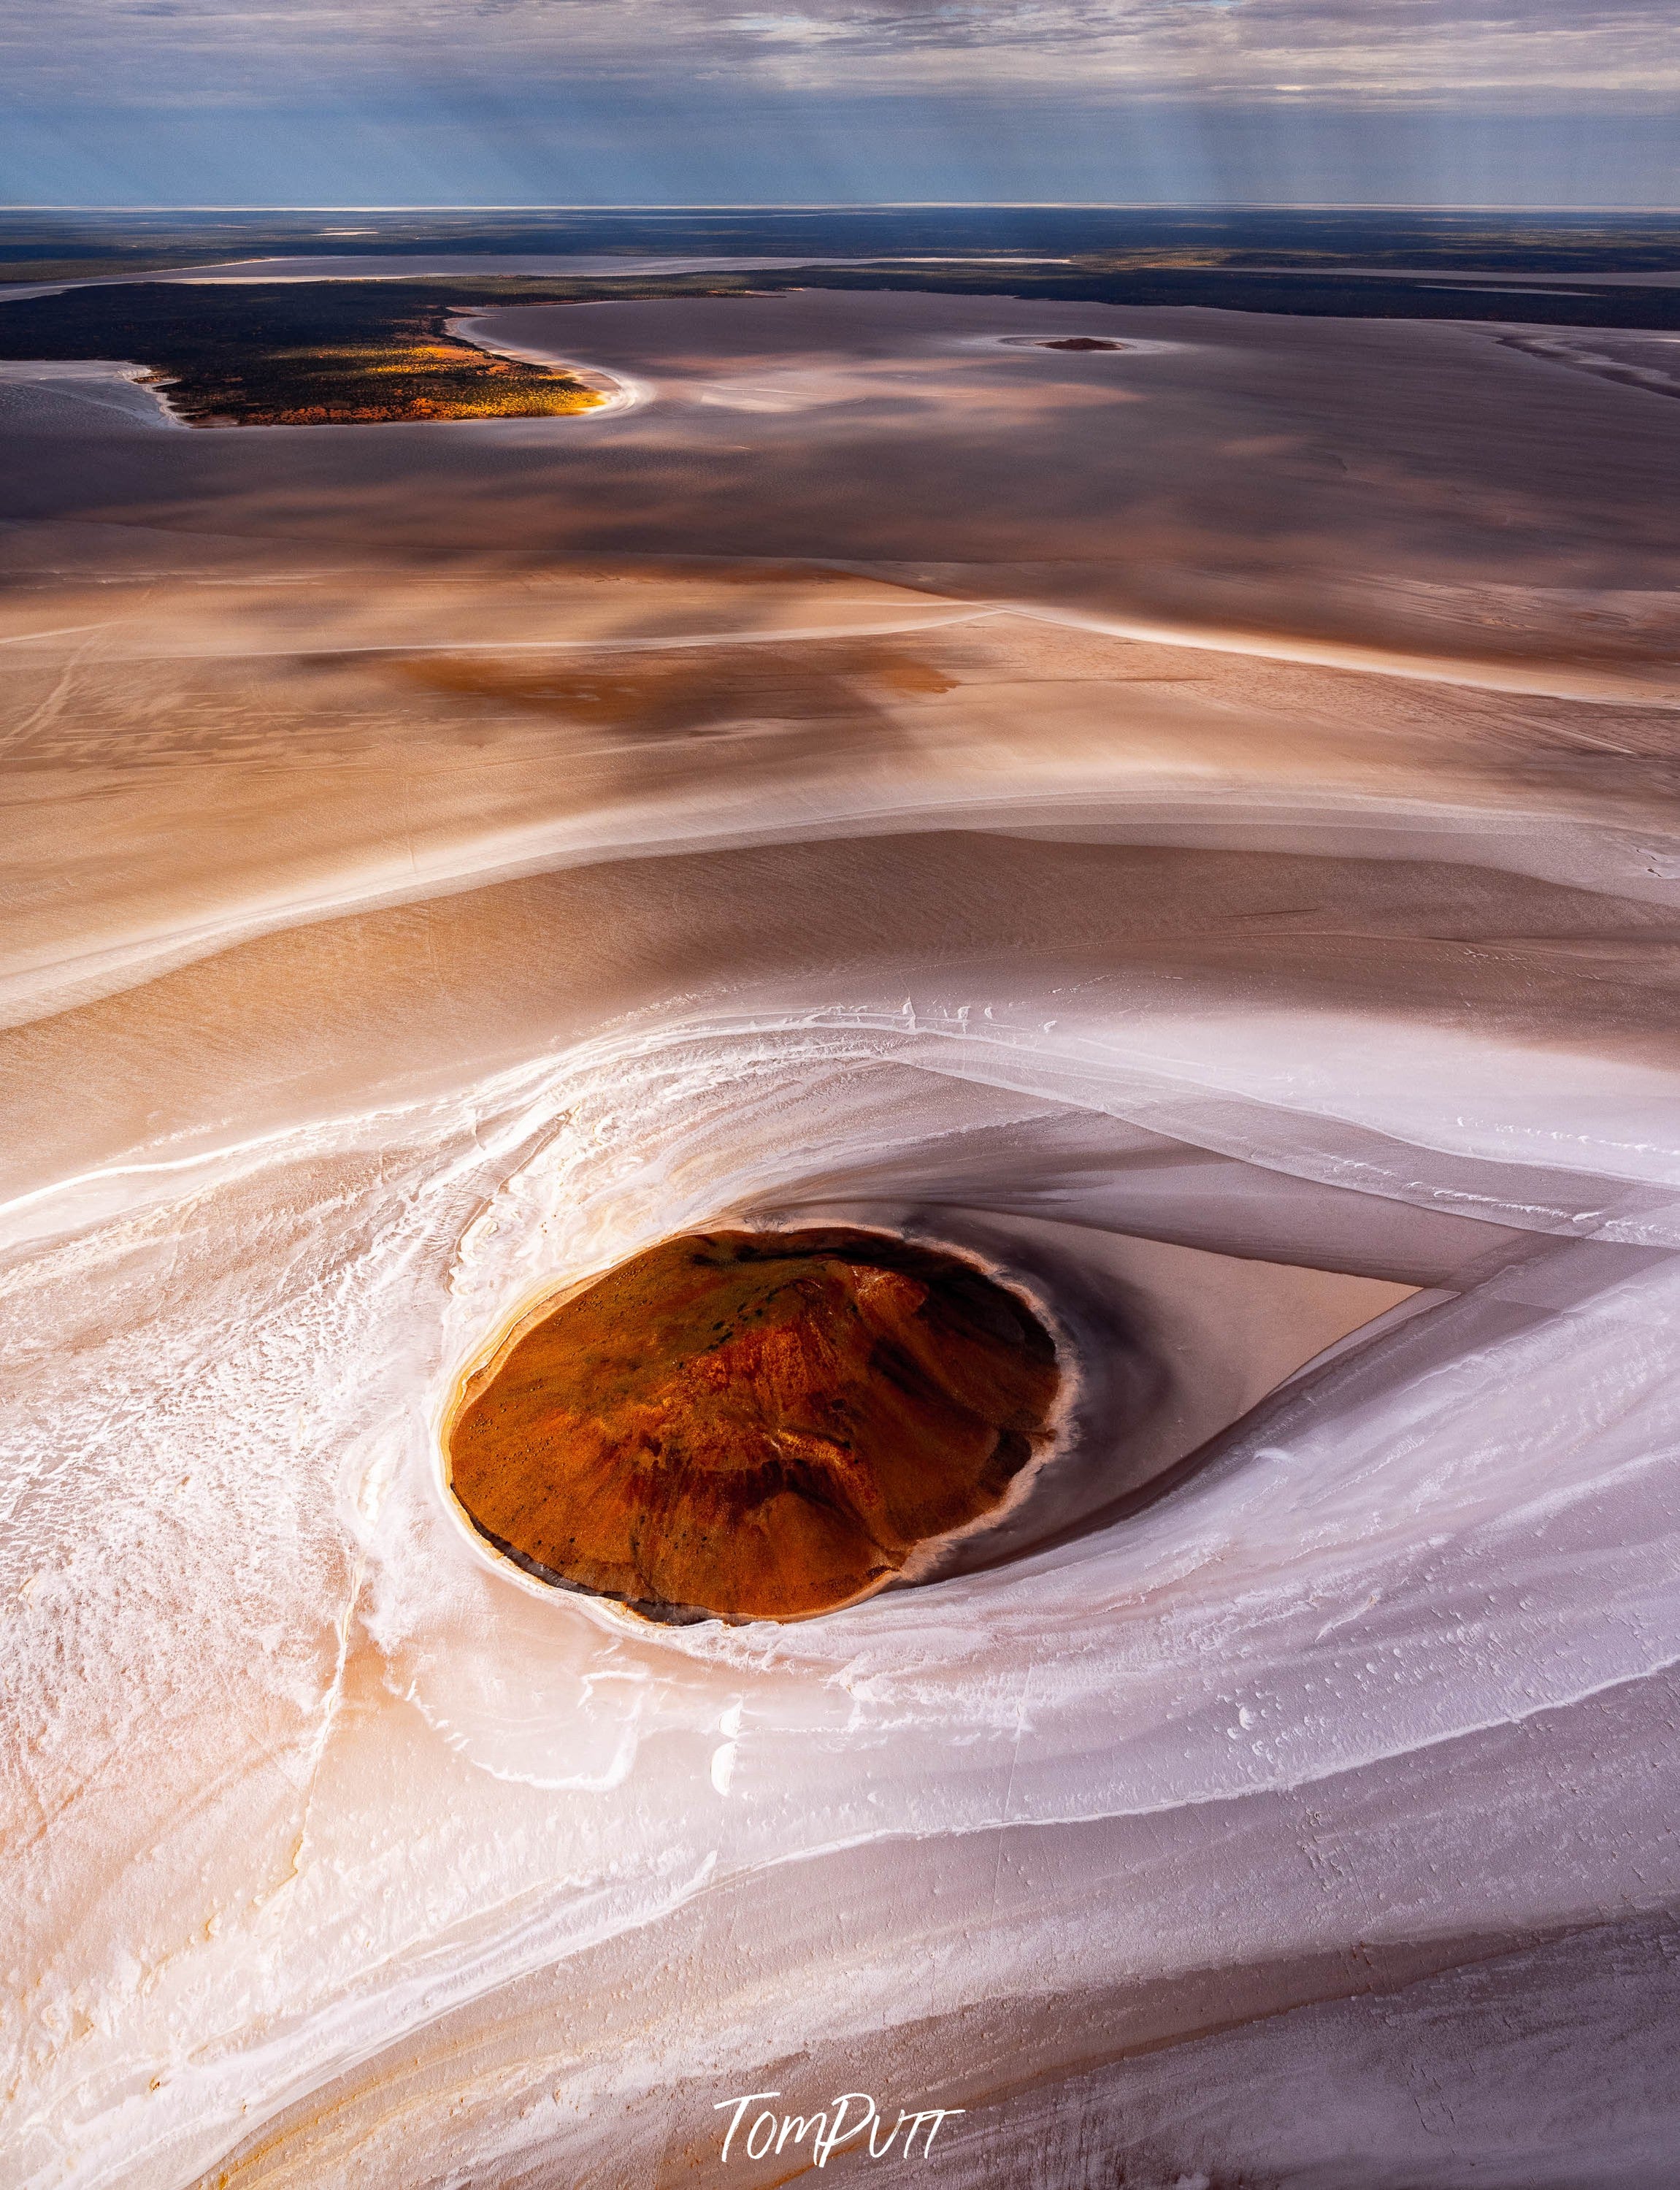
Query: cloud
[[1382, 52], [664, 102]]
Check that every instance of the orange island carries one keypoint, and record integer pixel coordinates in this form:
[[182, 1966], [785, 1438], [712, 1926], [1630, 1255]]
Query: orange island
[[753, 1425], [396, 380]]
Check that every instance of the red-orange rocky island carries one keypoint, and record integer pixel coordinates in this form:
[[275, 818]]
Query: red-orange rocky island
[[754, 1425]]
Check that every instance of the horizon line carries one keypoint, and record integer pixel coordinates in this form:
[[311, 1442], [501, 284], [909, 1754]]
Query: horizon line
[[848, 205]]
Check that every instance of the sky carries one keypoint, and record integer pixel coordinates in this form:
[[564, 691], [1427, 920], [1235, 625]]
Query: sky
[[299, 102]]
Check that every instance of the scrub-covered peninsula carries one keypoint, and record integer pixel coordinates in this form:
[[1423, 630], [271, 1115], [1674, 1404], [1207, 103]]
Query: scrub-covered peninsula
[[294, 353]]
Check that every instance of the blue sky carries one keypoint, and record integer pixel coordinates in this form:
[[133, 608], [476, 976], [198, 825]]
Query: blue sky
[[673, 101]]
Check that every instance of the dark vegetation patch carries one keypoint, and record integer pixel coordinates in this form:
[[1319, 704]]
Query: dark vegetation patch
[[312, 353]]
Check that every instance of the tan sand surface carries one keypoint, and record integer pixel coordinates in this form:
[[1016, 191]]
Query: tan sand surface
[[1192, 828]]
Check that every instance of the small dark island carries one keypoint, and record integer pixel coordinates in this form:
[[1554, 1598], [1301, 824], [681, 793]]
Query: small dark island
[[753, 1425]]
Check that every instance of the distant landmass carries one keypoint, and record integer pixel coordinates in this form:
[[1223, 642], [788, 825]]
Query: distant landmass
[[46, 244], [312, 352]]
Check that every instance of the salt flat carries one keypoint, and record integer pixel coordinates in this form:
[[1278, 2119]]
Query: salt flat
[[1191, 825]]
